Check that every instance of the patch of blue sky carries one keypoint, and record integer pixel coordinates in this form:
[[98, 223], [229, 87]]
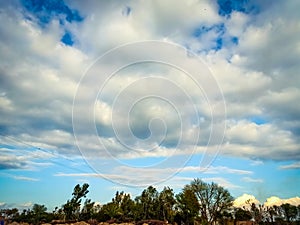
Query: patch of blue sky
[[46, 10], [258, 120], [219, 29], [277, 180], [270, 178], [67, 39], [219, 44], [226, 7], [234, 40]]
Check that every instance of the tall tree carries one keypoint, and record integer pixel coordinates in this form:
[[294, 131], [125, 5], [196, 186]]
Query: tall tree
[[109, 211], [120, 208], [166, 202], [72, 207], [289, 211], [258, 212], [87, 211], [213, 200], [146, 204], [127, 207], [187, 207], [242, 214], [39, 213]]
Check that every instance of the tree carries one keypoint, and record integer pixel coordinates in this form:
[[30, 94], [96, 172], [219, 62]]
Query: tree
[[146, 204], [289, 211], [87, 211], [109, 211], [242, 214], [72, 207], [271, 213], [213, 200], [166, 202], [120, 208], [127, 207], [39, 213], [187, 207], [258, 212], [10, 213]]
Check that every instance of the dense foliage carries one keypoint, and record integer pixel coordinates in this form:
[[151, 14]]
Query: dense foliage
[[197, 203]]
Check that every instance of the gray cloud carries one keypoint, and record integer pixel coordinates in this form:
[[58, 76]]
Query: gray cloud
[[258, 76]]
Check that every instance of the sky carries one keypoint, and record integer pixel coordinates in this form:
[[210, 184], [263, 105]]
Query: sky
[[126, 94]]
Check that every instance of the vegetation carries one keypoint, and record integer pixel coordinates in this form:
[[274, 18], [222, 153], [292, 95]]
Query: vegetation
[[197, 203]]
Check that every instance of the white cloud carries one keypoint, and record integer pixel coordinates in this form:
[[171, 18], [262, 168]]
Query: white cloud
[[237, 23], [174, 20], [258, 77], [252, 180], [222, 182], [274, 200], [246, 138], [215, 170], [295, 165], [245, 200], [25, 178], [144, 176], [26, 205]]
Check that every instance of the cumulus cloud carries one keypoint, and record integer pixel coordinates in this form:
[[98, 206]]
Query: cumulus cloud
[[255, 68], [245, 201], [262, 141], [274, 200]]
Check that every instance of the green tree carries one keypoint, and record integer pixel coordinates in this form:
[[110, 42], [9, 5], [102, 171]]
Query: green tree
[[87, 211], [213, 200], [109, 211], [120, 208], [38, 213], [127, 207], [242, 214], [72, 207], [166, 202], [289, 211], [10, 213], [146, 204], [187, 207]]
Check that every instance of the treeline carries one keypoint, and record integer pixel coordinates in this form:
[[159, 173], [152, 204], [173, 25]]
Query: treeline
[[197, 203]]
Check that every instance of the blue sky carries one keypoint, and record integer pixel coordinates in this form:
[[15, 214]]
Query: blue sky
[[125, 94]]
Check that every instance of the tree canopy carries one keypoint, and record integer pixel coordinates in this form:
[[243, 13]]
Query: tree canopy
[[198, 202]]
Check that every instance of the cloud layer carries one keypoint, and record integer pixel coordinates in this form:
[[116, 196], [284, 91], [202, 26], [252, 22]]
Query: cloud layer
[[253, 58], [246, 200]]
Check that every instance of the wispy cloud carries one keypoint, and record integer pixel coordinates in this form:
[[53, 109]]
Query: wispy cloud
[[257, 163], [292, 166], [252, 180], [25, 178], [222, 181], [141, 177]]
